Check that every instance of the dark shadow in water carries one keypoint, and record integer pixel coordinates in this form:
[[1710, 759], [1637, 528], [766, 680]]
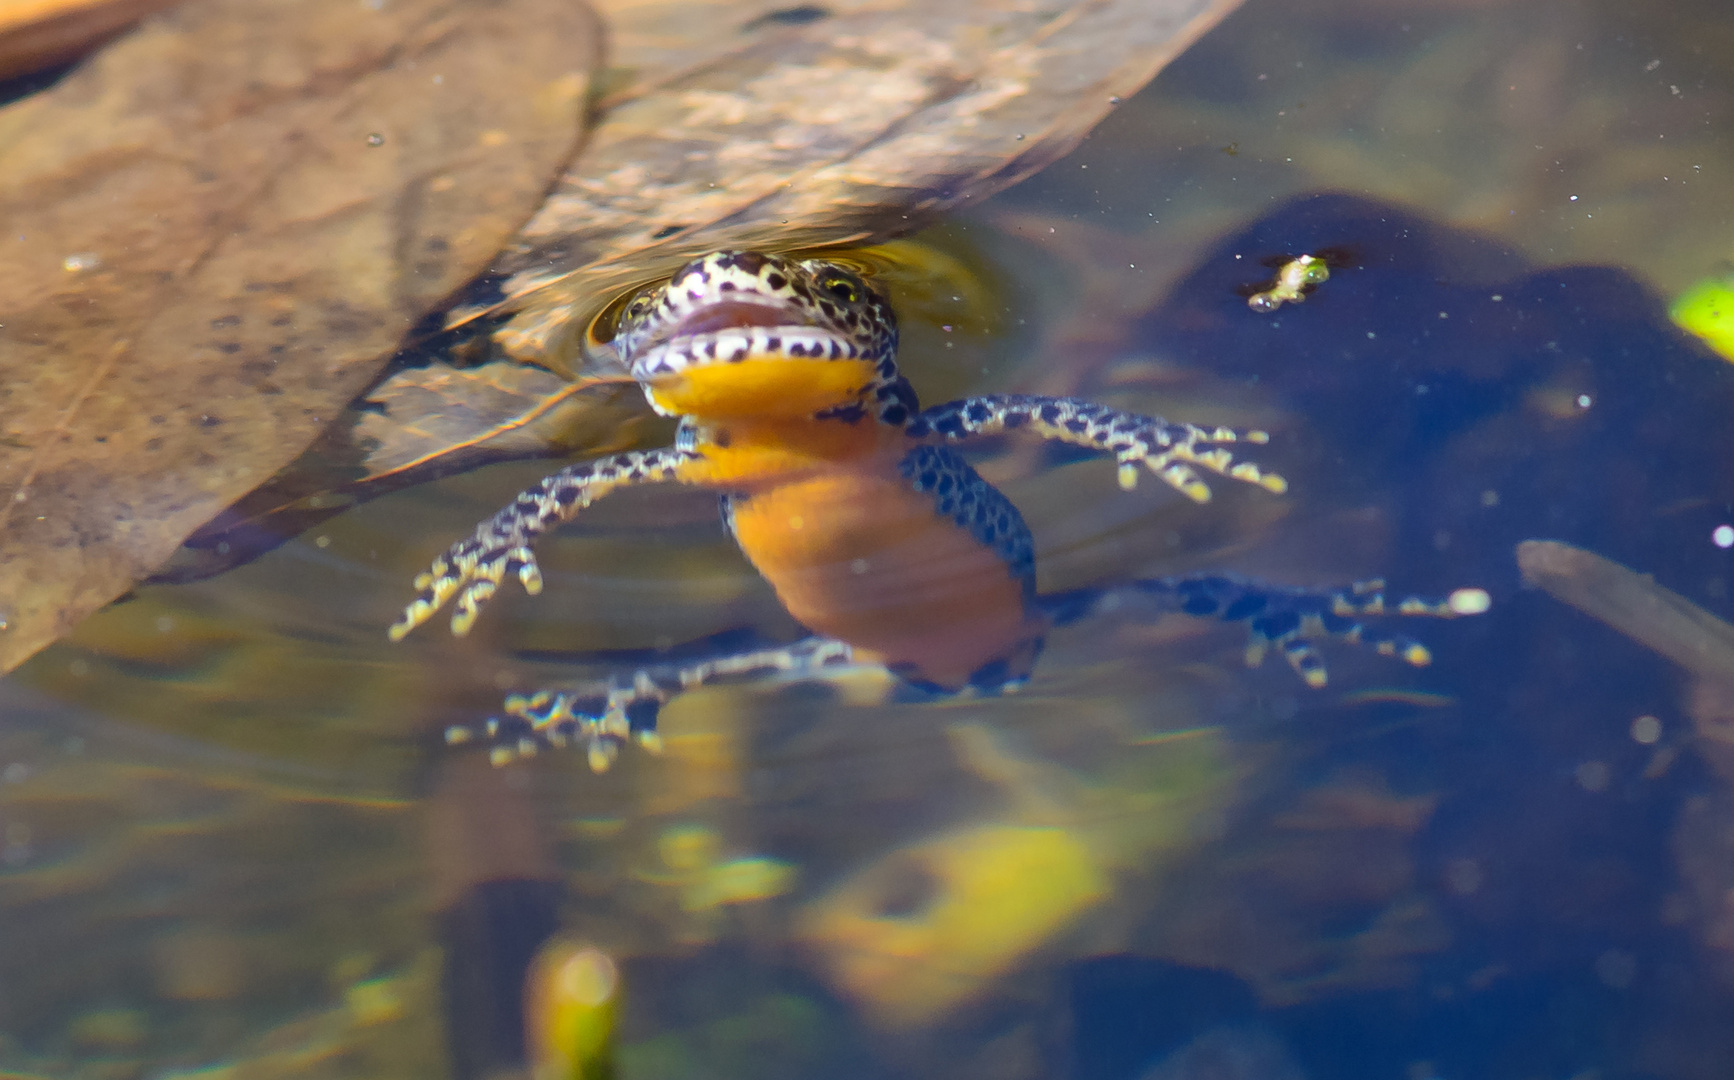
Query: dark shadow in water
[[490, 936], [1128, 1011], [1475, 402], [1437, 367]]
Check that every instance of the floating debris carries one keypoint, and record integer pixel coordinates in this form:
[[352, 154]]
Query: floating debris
[[1633, 604], [1294, 279], [1657, 618]]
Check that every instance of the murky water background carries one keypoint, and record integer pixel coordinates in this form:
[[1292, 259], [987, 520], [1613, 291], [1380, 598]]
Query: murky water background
[[232, 840]]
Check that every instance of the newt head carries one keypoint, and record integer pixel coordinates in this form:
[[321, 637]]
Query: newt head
[[745, 334]]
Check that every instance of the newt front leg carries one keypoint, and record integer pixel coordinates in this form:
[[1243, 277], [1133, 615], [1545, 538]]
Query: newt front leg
[[1165, 448], [473, 568]]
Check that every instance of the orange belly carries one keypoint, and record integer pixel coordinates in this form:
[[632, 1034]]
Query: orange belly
[[856, 554]]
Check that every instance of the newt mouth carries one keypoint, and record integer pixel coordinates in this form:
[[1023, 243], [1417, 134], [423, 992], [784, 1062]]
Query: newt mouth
[[733, 314], [736, 343], [734, 330]]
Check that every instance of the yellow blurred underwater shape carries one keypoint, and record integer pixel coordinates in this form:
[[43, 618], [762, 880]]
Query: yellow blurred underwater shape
[[571, 998], [1706, 310], [921, 930], [930, 925], [692, 862]]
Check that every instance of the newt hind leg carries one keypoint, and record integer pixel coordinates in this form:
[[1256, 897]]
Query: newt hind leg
[[602, 716], [1173, 451], [1288, 618]]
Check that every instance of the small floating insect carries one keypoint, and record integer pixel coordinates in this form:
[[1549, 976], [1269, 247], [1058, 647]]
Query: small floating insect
[[1294, 279]]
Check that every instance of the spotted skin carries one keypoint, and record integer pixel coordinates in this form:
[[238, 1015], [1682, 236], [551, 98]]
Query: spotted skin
[[1276, 616], [783, 309], [959, 493], [473, 569], [847, 497], [1167, 449], [608, 713]]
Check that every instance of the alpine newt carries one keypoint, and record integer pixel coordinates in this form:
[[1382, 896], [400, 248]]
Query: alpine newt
[[847, 496]]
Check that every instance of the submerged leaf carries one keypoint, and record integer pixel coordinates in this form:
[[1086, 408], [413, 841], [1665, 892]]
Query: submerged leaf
[[222, 226], [418, 425], [855, 126], [500, 410]]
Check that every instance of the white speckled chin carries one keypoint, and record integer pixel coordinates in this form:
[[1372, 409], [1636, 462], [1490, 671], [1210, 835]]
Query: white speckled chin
[[736, 344]]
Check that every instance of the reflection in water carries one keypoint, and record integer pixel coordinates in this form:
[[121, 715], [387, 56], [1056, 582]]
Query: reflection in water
[[925, 928]]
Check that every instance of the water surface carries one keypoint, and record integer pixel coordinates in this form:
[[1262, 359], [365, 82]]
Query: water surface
[[232, 838]]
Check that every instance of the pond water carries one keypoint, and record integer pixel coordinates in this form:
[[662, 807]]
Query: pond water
[[234, 844]]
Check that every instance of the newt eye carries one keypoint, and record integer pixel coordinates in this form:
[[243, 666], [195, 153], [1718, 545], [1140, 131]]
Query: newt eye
[[841, 286], [638, 306]]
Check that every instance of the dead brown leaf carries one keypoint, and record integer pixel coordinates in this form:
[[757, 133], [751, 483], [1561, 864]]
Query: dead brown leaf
[[496, 411], [219, 228], [651, 42], [442, 419], [416, 426], [36, 34], [856, 126]]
